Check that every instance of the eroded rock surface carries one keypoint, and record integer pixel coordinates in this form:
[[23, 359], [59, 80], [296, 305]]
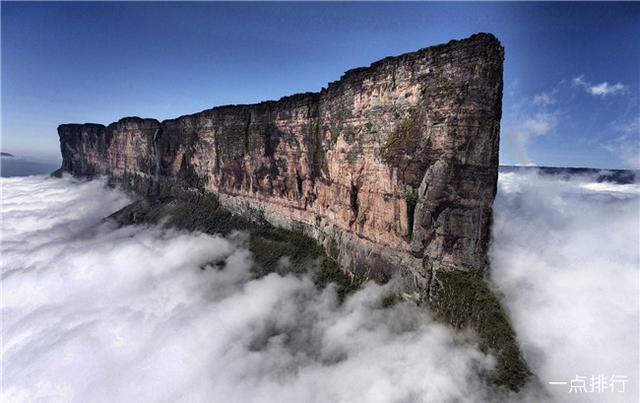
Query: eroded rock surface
[[392, 168]]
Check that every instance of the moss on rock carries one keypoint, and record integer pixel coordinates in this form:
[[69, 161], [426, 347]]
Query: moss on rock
[[403, 140]]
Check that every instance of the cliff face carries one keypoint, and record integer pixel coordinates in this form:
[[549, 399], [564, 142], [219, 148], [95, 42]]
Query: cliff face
[[393, 168]]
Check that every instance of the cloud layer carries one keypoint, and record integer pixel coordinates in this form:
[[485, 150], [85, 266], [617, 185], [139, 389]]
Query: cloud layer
[[93, 312], [565, 254], [98, 313]]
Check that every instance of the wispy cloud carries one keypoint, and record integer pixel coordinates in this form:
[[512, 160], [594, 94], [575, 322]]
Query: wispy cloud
[[626, 142], [602, 89], [527, 118], [630, 127], [562, 109], [540, 123], [541, 120], [545, 98]]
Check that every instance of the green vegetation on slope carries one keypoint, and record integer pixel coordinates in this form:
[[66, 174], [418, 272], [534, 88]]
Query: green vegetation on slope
[[466, 299], [269, 245], [403, 141]]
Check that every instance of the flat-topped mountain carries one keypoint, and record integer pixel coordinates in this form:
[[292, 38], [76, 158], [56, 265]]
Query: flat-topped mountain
[[392, 169]]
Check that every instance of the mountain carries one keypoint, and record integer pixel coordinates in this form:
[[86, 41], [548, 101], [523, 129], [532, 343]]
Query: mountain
[[392, 170], [619, 176], [12, 166]]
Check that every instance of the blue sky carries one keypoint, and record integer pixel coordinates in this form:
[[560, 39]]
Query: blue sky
[[572, 70]]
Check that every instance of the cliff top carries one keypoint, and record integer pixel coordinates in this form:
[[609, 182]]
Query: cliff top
[[300, 99]]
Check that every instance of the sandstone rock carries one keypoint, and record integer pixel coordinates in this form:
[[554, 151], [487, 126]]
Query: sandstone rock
[[389, 166]]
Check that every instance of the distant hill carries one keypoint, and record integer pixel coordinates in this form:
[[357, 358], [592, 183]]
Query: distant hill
[[619, 176], [11, 166], [3, 154]]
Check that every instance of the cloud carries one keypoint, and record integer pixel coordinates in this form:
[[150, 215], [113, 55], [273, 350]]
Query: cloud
[[519, 133], [565, 255], [631, 127], [624, 142], [601, 89], [512, 87], [545, 98], [527, 119], [530, 117], [626, 148], [539, 124], [93, 312]]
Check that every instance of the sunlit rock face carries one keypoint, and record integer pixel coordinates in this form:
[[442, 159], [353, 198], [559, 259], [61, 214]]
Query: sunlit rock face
[[393, 168]]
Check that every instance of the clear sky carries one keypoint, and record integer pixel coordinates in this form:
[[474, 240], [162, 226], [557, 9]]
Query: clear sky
[[572, 70]]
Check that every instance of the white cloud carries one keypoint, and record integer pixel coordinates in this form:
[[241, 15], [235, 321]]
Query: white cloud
[[93, 312], [607, 89], [631, 127], [519, 134], [96, 313], [527, 119], [512, 87], [580, 81], [626, 148], [601, 89], [544, 98], [565, 254], [540, 123], [625, 142]]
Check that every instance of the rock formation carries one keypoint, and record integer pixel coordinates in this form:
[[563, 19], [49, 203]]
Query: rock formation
[[392, 168]]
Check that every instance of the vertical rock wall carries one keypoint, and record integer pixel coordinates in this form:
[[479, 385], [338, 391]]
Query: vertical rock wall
[[393, 168]]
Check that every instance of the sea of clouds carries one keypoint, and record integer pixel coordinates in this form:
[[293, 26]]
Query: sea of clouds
[[93, 312], [566, 256]]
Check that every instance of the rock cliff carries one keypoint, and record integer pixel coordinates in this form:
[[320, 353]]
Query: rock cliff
[[392, 168], [389, 167]]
